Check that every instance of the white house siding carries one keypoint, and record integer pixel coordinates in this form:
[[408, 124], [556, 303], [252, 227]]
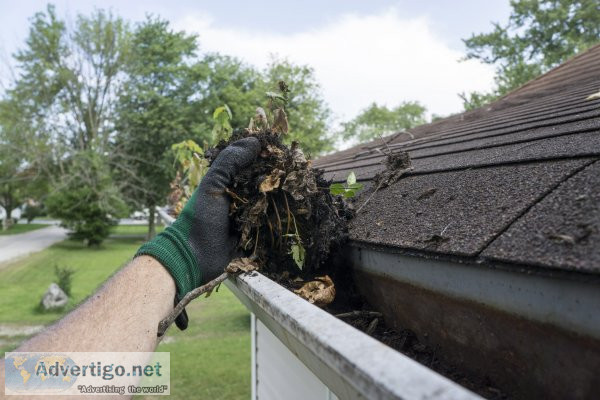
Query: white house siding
[[278, 374]]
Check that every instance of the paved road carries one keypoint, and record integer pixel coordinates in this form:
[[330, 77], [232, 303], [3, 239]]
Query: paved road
[[14, 246], [123, 221]]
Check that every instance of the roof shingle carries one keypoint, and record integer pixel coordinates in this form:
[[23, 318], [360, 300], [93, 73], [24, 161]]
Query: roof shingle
[[507, 174]]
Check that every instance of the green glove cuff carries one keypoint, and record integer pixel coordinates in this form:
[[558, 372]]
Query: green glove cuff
[[171, 248]]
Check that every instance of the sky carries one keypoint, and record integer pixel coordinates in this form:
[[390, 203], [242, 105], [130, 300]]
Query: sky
[[361, 51]]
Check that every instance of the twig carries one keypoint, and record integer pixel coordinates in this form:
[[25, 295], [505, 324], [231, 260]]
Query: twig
[[235, 196], [168, 320], [289, 214], [372, 326], [256, 242], [271, 231], [370, 196], [278, 220], [359, 313], [444, 230], [386, 145]]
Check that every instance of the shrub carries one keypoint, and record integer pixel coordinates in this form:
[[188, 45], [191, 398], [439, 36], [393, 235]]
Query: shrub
[[87, 200], [32, 212], [64, 278]]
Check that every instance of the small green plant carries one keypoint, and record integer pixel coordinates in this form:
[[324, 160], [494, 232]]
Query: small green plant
[[222, 129], [296, 249], [193, 166], [298, 254], [275, 117], [64, 277], [348, 189]]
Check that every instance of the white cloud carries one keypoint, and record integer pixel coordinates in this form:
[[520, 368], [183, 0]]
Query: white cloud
[[361, 59]]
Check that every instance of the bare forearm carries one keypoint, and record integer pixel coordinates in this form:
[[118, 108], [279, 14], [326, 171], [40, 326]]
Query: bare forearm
[[122, 316]]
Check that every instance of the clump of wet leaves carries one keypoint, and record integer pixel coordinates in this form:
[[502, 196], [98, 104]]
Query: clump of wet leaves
[[284, 213]]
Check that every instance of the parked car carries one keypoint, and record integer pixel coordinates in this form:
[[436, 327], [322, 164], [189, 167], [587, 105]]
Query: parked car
[[15, 214], [140, 215]]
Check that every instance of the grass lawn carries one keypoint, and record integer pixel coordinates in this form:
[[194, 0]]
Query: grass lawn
[[132, 229], [211, 359], [21, 228]]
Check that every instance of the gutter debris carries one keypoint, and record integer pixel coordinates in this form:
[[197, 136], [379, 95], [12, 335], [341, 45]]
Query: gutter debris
[[288, 221]]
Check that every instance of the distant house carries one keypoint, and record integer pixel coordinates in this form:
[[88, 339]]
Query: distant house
[[488, 249]]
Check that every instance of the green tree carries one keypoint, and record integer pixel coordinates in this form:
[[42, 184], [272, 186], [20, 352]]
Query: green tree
[[10, 165], [88, 202], [20, 176], [69, 77], [227, 80], [376, 121], [539, 35], [156, 109], [66, 87], [11, 185]]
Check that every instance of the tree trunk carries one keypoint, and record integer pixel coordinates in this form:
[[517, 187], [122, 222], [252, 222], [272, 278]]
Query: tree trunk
[[7, 218], [151, 218], [8, 204]]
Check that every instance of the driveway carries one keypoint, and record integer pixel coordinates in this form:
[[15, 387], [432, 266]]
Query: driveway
[[14, 246]]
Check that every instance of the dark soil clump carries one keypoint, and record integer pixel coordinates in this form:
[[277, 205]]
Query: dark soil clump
[[396, 165], [282, 209], [406, 342]]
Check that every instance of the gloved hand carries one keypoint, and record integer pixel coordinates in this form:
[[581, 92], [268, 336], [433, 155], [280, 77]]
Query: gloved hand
[[198, 245]]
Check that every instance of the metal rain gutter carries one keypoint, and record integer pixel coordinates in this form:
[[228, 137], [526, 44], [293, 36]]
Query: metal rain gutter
[[168, 220], [350, 363], [535, 335], [570, 304]]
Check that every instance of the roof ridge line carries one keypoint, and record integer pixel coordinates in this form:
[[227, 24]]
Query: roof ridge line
[[552, 70], [534, 203], [370, 145]]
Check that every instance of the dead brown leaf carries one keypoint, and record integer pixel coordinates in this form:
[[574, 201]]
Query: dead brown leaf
[[253, 217], [319, 292], [238, 265], [563, 238], [280, 121], [272, 181], [298, 156], [275, 151], [299, 183]]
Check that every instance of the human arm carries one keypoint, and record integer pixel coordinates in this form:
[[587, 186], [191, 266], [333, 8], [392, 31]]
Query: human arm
[[121, 316]]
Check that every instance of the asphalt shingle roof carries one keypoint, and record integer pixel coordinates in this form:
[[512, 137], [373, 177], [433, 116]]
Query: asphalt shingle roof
[[515, 181]]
